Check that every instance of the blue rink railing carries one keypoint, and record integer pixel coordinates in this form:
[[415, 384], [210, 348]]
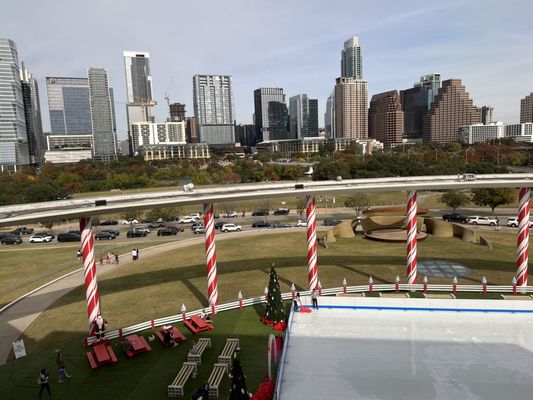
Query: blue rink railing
[[232, 305]]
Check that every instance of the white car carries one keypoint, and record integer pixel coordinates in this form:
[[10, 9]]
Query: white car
[[231, 214], [187, 220], [476, 220], [301, 223], [195, 215], [126, 222], [231, 228], [513, 222], [40, 238]]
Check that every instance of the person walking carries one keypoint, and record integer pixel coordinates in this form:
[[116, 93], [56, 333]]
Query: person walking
[[61, 370], [78, 254], [314, 298], [116, 259], [43, 381], [137, 253], [134, 254]]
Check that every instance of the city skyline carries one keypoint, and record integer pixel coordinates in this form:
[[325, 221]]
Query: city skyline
[[489, 51]]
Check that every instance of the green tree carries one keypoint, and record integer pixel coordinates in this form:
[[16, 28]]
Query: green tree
[[300, 205], [493, 197], [275, 312], [357, 202], [454, 199], [238, 389]]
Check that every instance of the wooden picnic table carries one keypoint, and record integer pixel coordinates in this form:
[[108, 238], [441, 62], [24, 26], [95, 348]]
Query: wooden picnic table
[[103, 354], [138, 345], [197, 324]]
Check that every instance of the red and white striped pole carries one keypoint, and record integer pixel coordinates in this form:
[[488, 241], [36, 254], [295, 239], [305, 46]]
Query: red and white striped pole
[[514, 282], [425, 281], [484, 283], [411, 238], [370, 284], [312, 262], [210, 254], [522, 242], [454, 284], [397, 283], [89, 269], [319, 288], [266, 293], [239, 296], [293, 291], [183, 312], [344, 284]]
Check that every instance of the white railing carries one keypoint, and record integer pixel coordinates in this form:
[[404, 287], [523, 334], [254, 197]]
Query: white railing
[[281, 365]]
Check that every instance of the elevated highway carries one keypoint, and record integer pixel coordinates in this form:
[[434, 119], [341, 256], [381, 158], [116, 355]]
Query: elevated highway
[[54, 210]]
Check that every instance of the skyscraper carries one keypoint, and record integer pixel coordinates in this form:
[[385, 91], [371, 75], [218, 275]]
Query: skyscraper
[[213, 108], [416, 101], [138, 89], [487, 114], [104, 140], [526, 109], [177, 112], [329, 116], [351, 59], [271, 115], [303, 114], [351, 112], [68, 104], [13, 135], [32, 113], [451, 109], [385, 118]]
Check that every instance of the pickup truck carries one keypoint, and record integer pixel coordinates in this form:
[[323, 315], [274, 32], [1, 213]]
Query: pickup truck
[[454, 217]]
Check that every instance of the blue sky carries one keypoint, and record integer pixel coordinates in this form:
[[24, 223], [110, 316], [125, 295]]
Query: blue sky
[[290, 44]]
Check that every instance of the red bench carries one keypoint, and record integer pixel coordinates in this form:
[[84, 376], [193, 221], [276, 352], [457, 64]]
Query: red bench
[[176, 335], [138, 345], [91, 360], [196, 324], [103, 354]]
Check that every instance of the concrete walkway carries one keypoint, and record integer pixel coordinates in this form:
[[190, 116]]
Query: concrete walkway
[[15, 319]]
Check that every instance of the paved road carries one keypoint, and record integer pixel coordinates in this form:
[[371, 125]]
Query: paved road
[[15, 319]]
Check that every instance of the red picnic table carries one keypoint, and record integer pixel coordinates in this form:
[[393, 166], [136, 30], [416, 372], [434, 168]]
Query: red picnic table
[[139, 345], [176, 335], [103, 354], [197, 324]]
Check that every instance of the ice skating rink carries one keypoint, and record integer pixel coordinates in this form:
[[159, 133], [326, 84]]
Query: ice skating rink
[[413, 349]]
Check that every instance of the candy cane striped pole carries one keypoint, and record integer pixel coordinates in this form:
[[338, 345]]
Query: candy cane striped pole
[[312, 264], [522, 242], [210, 254], [411, 237], [89, 269]]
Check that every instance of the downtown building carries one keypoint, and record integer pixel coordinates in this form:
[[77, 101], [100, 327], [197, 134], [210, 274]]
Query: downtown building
[[351, 112], [213, 109], [526, 109], [487, 115], [385, 118], [14, 147], [32, 114], [477, 133], [303, 116], [451, 109], [329, 116], [271, 116]]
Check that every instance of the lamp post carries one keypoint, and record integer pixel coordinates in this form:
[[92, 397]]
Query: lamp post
[[466, 155]]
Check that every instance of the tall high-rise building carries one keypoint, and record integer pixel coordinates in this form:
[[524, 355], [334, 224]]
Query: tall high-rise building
[[104, 139], [13, 135], [351, 112], [213, 108], [329, 116], [526, 109], [245, 134], [191, 133], [451, 109], [351, 59], [416, 101], [487, 114], [139, 107], [177, 112], [32, 113], [303, 114], [385, 118], [271, 115], [68, 104]]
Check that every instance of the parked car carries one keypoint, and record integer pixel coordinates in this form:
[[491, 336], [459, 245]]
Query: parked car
[[476, 220], [195, 215], [219, 225], [513, 222], [301, 223], [260, 213], [22, 231], [455, 217], [231, 228], [156, 225], [281, 211], [47, 233], [231, 214], [76, 231], [129, 222], [104, 236], [198, 229], [167, 231], [332, 221], [136, 232], [174, 218], [111, 231], [187, 220], [11, 239], [40, 238], [196, 225], [281, 225], [4, 234], [68, 237], [260, 224], [175, 228], [109, 222]]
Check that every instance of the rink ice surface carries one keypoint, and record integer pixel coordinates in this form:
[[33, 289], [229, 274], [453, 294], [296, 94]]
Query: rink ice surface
[[397, 354]]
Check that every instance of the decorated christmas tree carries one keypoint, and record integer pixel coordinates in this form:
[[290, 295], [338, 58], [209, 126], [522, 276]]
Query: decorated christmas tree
[[275, 312], [238, 382]]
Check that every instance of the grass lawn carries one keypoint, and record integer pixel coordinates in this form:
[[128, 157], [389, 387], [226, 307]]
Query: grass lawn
[[145, 376]]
